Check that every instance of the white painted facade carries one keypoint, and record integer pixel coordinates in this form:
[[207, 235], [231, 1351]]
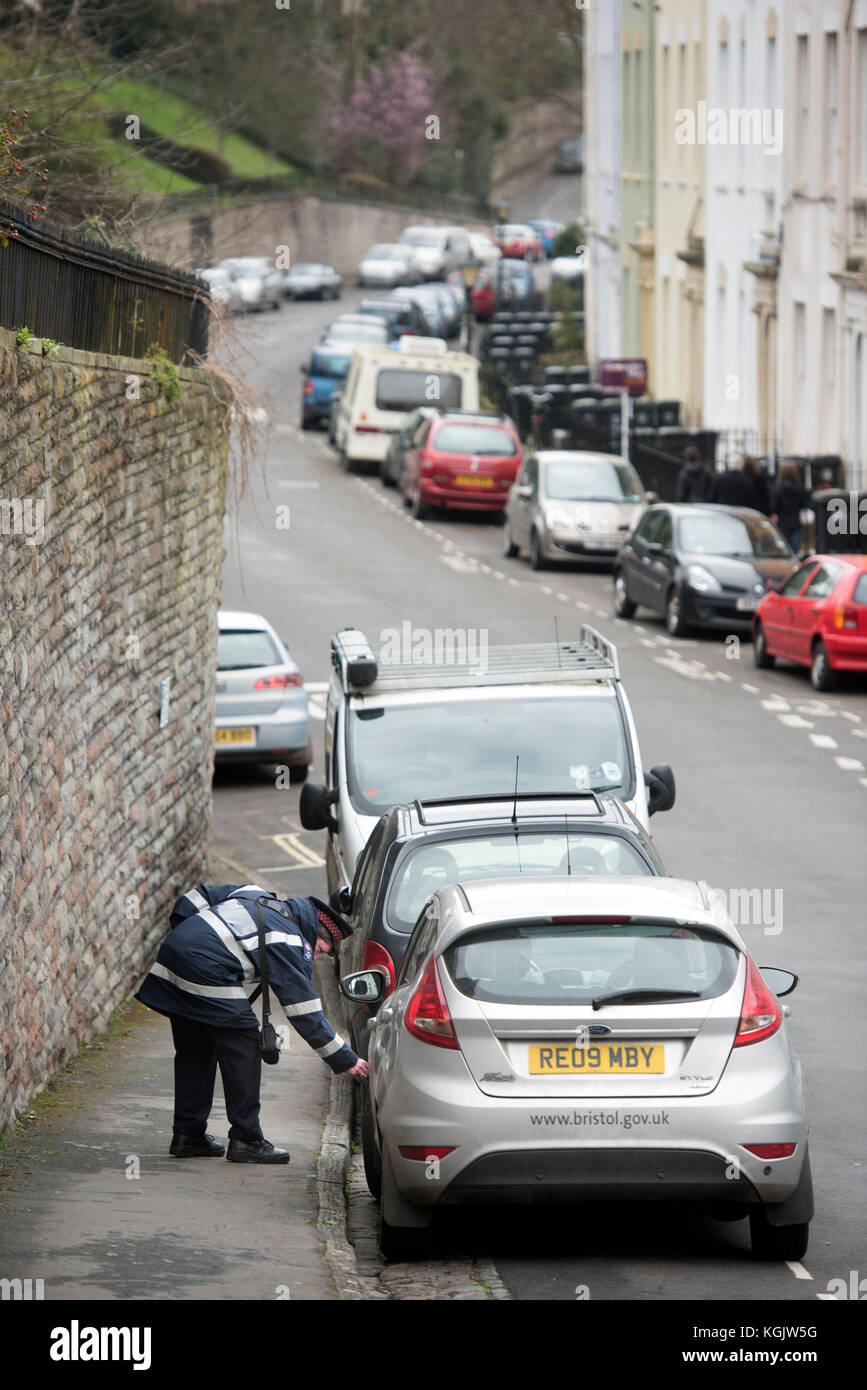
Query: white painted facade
[[602, 154]]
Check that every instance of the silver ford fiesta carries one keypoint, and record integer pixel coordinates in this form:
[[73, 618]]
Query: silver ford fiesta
[[578, 1040]]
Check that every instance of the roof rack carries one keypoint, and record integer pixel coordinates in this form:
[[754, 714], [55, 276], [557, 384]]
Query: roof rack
[[507, 796], [591, 658]]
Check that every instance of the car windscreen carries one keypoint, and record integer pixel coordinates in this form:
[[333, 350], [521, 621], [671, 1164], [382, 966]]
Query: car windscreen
[[359, 332], [429, 866], [404, 390], [385, 253], [579, 481], [238, 650], [423, 237], [474, 439], [579, 962], [329, 364], [733, 536], [468, 748]]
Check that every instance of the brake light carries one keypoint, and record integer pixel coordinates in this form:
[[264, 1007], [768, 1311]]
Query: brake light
[[423, 1155], [760, 1012], [771, 1150], [847, 617], [367, 429], [308, 388], [427, 1016], [615, 921], [279, 682], [376, 957]]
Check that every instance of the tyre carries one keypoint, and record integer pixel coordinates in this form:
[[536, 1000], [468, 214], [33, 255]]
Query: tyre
[[537, 559], [345, 463], [674, 620], [306, 424], [761, 656], [510, 550], [372, 1156], [623, 604], [821, 672], [777, 1242], [385, 474], [419, 509]]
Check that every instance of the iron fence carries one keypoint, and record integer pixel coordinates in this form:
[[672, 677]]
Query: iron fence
[[64, 286]]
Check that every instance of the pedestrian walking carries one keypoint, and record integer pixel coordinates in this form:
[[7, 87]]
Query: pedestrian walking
[[201, 979], [759, 479], [734, 487], [694, 479], [788, 500]]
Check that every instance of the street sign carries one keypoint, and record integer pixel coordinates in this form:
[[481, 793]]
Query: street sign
[[618, 374]]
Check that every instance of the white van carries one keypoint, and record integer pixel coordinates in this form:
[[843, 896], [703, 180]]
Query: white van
[[384, 386], [437, 250]]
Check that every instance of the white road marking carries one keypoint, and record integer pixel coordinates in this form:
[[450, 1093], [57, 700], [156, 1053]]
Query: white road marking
[[856, 718], [859, 733], [798, 1269], [723, 676], [823, 740], [298, 482], [849, 764], [515, 583], [585, 607], [601, 613], [816, 707], [546, 589], [459, 563], [642, 630], [775, 704], [316, 687], [863, 781], [753, 689], [827, 1297], [564, 598], [794, 721], [315, 711]]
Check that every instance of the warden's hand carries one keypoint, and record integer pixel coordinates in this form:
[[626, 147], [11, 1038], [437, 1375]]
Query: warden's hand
[[361, 1071]]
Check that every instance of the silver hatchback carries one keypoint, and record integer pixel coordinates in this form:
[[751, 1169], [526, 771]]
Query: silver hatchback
[[262, 713], [577, 1039], [568, 504]]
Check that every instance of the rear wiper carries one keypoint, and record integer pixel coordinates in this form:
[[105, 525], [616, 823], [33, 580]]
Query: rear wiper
[[646, 996]]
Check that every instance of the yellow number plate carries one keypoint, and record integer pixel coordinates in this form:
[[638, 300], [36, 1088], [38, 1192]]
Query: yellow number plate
[[237, 736], [598, 1059], [471, 480]]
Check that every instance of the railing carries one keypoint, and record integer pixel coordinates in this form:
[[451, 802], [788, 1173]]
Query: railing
[[64, 286]]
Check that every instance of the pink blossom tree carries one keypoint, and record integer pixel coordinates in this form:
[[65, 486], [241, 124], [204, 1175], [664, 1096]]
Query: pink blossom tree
[[383, 128]]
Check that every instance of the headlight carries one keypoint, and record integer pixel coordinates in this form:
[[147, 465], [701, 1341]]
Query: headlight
[[697, 577], [561, 520]]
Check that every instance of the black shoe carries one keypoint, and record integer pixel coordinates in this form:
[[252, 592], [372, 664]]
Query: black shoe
[[260, 1152], [183, 1146]]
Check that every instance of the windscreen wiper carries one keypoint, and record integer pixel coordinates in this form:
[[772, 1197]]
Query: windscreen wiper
[[646, 996]]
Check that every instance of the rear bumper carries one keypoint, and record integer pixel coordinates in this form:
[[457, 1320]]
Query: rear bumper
[[577, 545], [282, 733], [846, 652]]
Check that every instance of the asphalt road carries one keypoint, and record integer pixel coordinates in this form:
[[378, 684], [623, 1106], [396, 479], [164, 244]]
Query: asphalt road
[[772, 795]]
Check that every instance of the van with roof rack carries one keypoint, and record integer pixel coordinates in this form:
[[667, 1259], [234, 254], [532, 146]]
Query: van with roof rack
[[536, 720]]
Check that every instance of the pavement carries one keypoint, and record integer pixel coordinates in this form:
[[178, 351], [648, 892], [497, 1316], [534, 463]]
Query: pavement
[[92, 1203]]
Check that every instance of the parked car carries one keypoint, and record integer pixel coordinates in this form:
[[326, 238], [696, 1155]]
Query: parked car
[[518, 240], [392, 464], [452, 305], [817, 618], [261, 701], [569, 504], [222, 289], [418, 848], [403, 316], [429, 304], [484, 295], [600, 1040], [324, 376], [384, 386], [437, 250], [569, 156], [371, 329], [702, 566], [387, 264], [463, 459], [515, 283], [311, 280], [483, 249], [548, 231], [453, 725], [257, 280]]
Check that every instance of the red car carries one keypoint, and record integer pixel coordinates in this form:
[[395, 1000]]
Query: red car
[[484, 296], [817, 618], [518, 241], [463, 459]]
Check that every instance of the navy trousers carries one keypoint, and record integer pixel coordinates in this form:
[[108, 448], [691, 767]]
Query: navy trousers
[[199, 1050]]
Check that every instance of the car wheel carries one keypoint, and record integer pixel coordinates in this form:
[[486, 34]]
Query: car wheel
[[777, 1242], [385, 474], [298, 773], [674, 620], [510, 550], [345, 463], [372, 1156], [397, 1242], [419, 509], [305, 423], [537, 559], [821, 672], [761, 656], [623, 604]]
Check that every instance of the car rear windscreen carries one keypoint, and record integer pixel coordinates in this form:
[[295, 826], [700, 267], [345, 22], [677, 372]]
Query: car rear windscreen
[[582, 962], [239, 650], [474, 439], [329, 364], [526, 854], [405, 390]]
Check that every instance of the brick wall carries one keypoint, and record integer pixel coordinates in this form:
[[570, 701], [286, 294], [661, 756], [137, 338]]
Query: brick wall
[[104, 816]]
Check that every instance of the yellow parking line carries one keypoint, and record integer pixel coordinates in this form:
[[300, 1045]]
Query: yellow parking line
[[296, 849]]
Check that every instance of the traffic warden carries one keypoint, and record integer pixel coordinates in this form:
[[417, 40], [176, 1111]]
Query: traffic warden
[[202, 977]]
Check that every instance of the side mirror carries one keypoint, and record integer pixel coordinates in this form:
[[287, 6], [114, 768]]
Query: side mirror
[[780, 981], [314, 807], [660, 784], [525, 490], [341, 900], [654, 547], [365, 987], [650, 498]]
